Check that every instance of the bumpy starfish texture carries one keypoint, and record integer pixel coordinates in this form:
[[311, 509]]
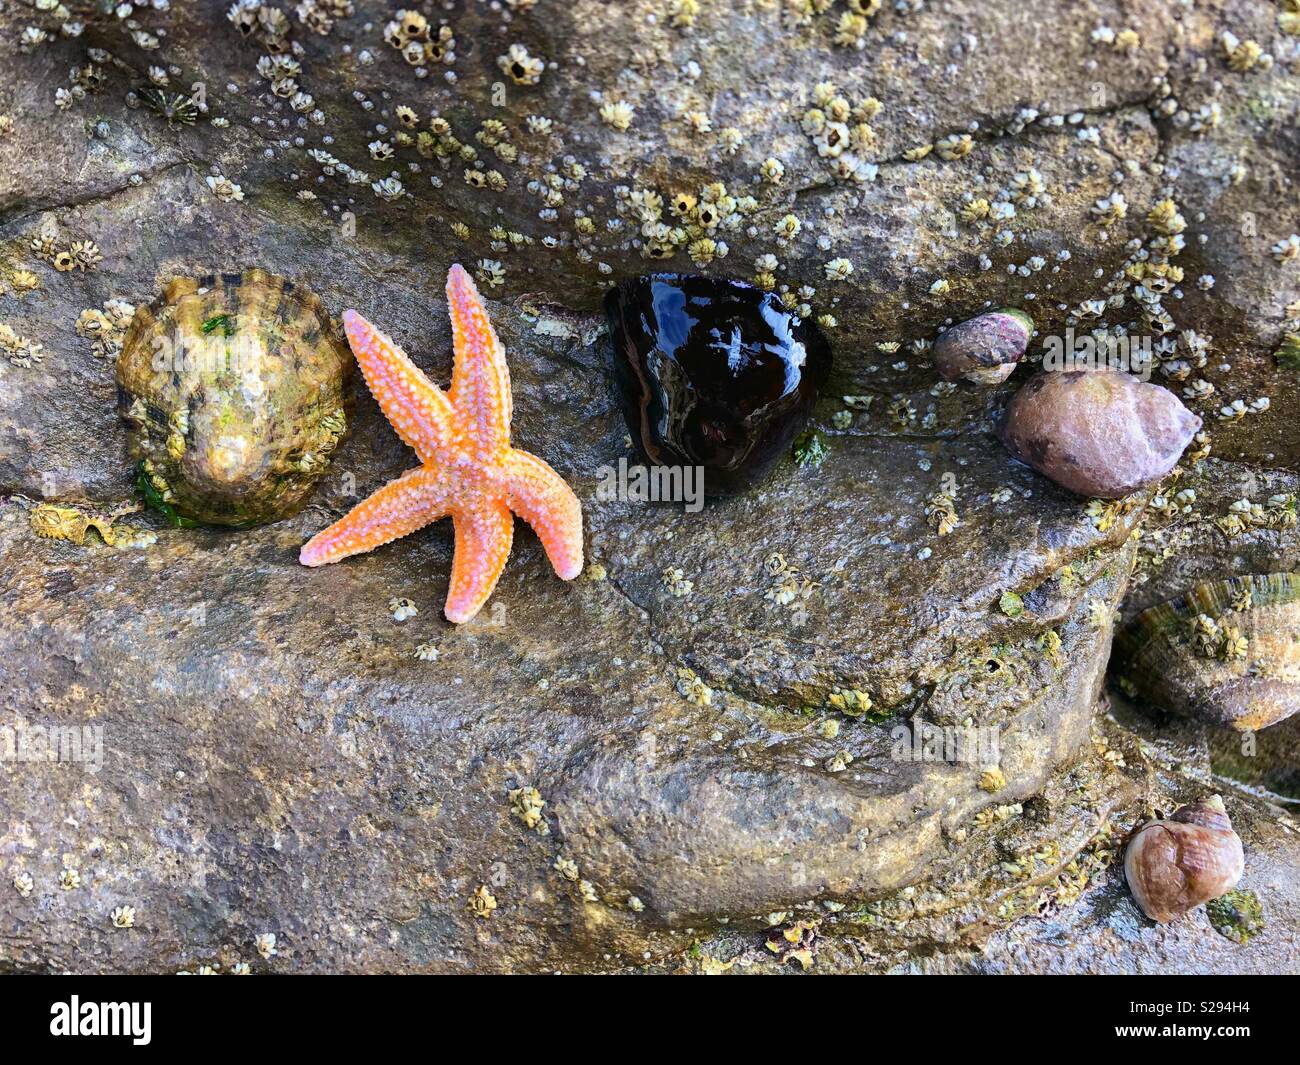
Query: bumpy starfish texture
[[468, 472]]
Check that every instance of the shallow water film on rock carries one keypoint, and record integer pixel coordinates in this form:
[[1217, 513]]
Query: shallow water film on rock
[[980, 321]]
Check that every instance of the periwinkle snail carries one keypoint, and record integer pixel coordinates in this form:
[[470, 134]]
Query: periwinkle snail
[[1097, 432], [1178, 863], [984, 350], [713, 373]]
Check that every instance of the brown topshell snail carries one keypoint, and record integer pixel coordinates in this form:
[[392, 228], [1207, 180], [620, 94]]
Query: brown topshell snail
[[1184, 861]]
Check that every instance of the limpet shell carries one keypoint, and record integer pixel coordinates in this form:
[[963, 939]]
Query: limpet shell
[[1227, 652], [235, 390]]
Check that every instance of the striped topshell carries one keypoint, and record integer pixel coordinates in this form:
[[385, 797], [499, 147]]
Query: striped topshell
[[1227, 652], [234, 387]]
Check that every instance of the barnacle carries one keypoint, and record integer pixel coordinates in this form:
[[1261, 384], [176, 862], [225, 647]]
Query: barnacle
[[526, 802], [1288, 249], [483, 902], [617, 114], [224, 189], [1241, 55], [954, 146], [522, 68], [1165, 218]]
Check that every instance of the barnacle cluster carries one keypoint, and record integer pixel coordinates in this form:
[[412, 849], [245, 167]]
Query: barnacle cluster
[[20, 350], [695, 220], [1277, 512], [789, 586], [851, 702], [106, 328], [281, 64], [795, 942], [841, 132], [64, 256], [692, 688], [1288, 17], [412, 35], [676, 583], [1047, 886], [526, 804]]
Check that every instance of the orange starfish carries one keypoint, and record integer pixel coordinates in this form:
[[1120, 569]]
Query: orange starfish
[[468, 472]]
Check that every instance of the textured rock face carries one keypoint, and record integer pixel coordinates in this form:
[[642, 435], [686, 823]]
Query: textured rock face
[[240, 759], [275, 757]]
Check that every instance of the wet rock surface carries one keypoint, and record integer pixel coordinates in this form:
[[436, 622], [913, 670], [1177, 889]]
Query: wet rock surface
[[669, 735], [277, 759]]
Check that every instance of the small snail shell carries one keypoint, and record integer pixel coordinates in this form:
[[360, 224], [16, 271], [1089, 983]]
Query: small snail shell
[[1175, 865], [983, 350]]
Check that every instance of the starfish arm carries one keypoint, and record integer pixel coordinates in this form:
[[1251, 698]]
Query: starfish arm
[[415, 499], [480, 380], [484, 534], [539, 495], [417, 408]]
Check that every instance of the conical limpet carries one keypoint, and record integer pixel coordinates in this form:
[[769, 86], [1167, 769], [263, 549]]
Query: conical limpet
[[234, 388]]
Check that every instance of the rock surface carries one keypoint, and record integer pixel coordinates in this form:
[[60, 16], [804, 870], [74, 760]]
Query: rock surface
[[276, 759]]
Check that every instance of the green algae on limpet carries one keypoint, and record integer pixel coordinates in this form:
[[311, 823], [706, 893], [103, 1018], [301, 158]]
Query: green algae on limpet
[[1237, 915], [217, 321], [153, 499]]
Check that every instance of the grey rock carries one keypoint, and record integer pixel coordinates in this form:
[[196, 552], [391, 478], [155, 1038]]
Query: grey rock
[[275, 757]]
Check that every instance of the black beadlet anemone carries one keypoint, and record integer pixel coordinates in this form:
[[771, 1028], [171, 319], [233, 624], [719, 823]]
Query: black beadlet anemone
[[713, 373]]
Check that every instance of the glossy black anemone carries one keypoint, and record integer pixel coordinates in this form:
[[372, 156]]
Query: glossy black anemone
[[713, 373]]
